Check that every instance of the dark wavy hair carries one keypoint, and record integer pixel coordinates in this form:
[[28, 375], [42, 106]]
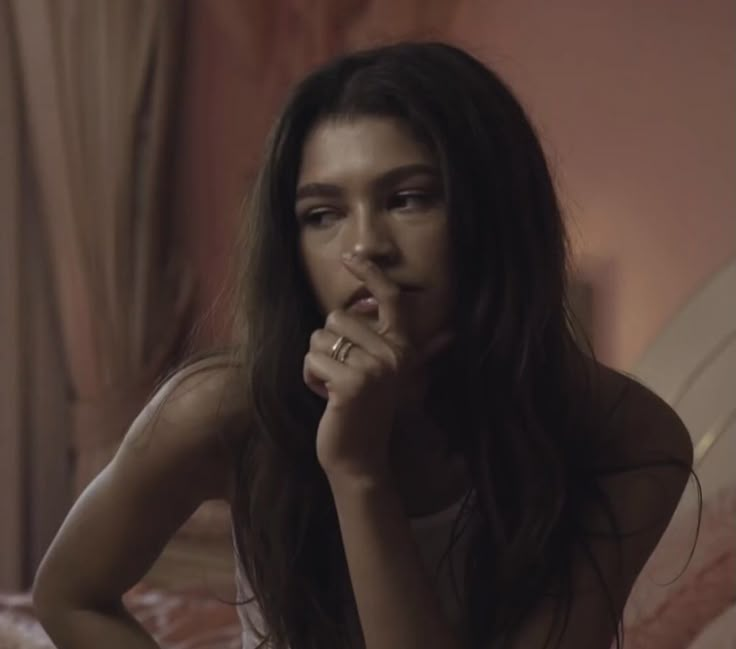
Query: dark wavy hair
[[515, 391]]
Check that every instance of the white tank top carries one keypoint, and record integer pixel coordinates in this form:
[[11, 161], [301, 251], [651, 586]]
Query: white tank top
[[433, 535]]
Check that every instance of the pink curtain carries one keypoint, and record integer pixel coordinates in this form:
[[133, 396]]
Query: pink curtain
[[12, 495], [97, 79], [34, 417]]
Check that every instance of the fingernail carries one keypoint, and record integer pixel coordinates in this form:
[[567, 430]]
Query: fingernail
[[348, 256]]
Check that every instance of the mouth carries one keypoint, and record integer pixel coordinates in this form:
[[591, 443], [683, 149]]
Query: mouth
[[363, 301]]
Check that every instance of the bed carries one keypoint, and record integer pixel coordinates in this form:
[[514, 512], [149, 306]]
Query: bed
[[692, 365], [191, 619]]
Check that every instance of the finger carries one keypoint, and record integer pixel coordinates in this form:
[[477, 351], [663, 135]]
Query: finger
[[356, 330], [383, 289], [321, 373], [314, 378], [317, 386]]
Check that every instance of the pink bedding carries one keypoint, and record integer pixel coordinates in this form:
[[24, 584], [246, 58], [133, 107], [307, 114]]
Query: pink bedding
[[177, 621], [696, 611], [669, 608]]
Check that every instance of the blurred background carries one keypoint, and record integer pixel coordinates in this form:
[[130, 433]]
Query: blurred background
[[129, 133]]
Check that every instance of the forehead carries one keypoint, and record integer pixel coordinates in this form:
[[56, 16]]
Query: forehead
[[343, 147]]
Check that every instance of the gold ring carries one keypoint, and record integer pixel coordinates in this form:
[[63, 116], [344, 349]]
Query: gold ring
[[343, 353], [340, 349]]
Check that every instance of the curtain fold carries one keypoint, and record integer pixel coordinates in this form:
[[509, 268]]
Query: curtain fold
[[46, 416], [12, 492], [98, 79]]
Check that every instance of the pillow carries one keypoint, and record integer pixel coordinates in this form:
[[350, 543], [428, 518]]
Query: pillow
[[668, 610], [21, 632], [187, 620], [719, 634]]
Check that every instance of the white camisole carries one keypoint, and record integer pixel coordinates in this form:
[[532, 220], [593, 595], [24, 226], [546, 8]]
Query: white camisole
[[433, 535]]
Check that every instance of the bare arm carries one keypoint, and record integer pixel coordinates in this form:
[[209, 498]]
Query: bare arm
[[396, 602], [650, 433], [171, 460]]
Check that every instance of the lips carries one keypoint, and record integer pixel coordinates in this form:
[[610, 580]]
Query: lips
[[363, 299], [361, 294]]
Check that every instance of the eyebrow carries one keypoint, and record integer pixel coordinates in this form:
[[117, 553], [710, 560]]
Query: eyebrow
[[387, 179]]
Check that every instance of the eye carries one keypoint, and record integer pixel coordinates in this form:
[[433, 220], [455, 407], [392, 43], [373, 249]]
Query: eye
[[412, 200], [318, 218]]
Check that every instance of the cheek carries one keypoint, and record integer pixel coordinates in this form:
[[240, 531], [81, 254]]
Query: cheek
[[320, 278], [438, 259], [435, 241]]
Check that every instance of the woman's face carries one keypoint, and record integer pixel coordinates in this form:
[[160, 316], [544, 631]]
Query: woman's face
[[366, 185]]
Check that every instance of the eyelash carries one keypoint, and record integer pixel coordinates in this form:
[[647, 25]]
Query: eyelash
[[312, 217], [425, 199]]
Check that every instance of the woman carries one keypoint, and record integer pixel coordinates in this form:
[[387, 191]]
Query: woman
[[415, 450]]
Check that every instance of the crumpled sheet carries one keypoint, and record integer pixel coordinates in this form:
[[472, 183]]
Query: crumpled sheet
[[176, 621]]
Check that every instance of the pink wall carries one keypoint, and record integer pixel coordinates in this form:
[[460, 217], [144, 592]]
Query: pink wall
[[636, 104], [218, 137]]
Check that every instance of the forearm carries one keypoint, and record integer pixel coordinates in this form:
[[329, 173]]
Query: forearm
[[396, 602], [85, 628]]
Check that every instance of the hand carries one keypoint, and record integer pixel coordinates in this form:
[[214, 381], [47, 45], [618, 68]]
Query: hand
[[363, 392]]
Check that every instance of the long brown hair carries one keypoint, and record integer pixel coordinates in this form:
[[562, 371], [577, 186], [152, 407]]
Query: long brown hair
[[514, 392]]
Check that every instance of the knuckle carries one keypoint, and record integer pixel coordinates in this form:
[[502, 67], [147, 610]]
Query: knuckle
[[334, 318], [397, 357], [374, 371], [394, 363]]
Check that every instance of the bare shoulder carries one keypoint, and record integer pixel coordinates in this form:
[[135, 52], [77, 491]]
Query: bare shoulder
[[641, 471], [643, 468], [637, 425], [199, 398], [194, 419], [175, 455]]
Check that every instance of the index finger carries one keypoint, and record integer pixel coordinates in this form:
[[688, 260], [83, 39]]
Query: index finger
[[383, 289]]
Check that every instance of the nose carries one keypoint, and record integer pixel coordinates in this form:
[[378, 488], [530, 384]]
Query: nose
[[372, 239]]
